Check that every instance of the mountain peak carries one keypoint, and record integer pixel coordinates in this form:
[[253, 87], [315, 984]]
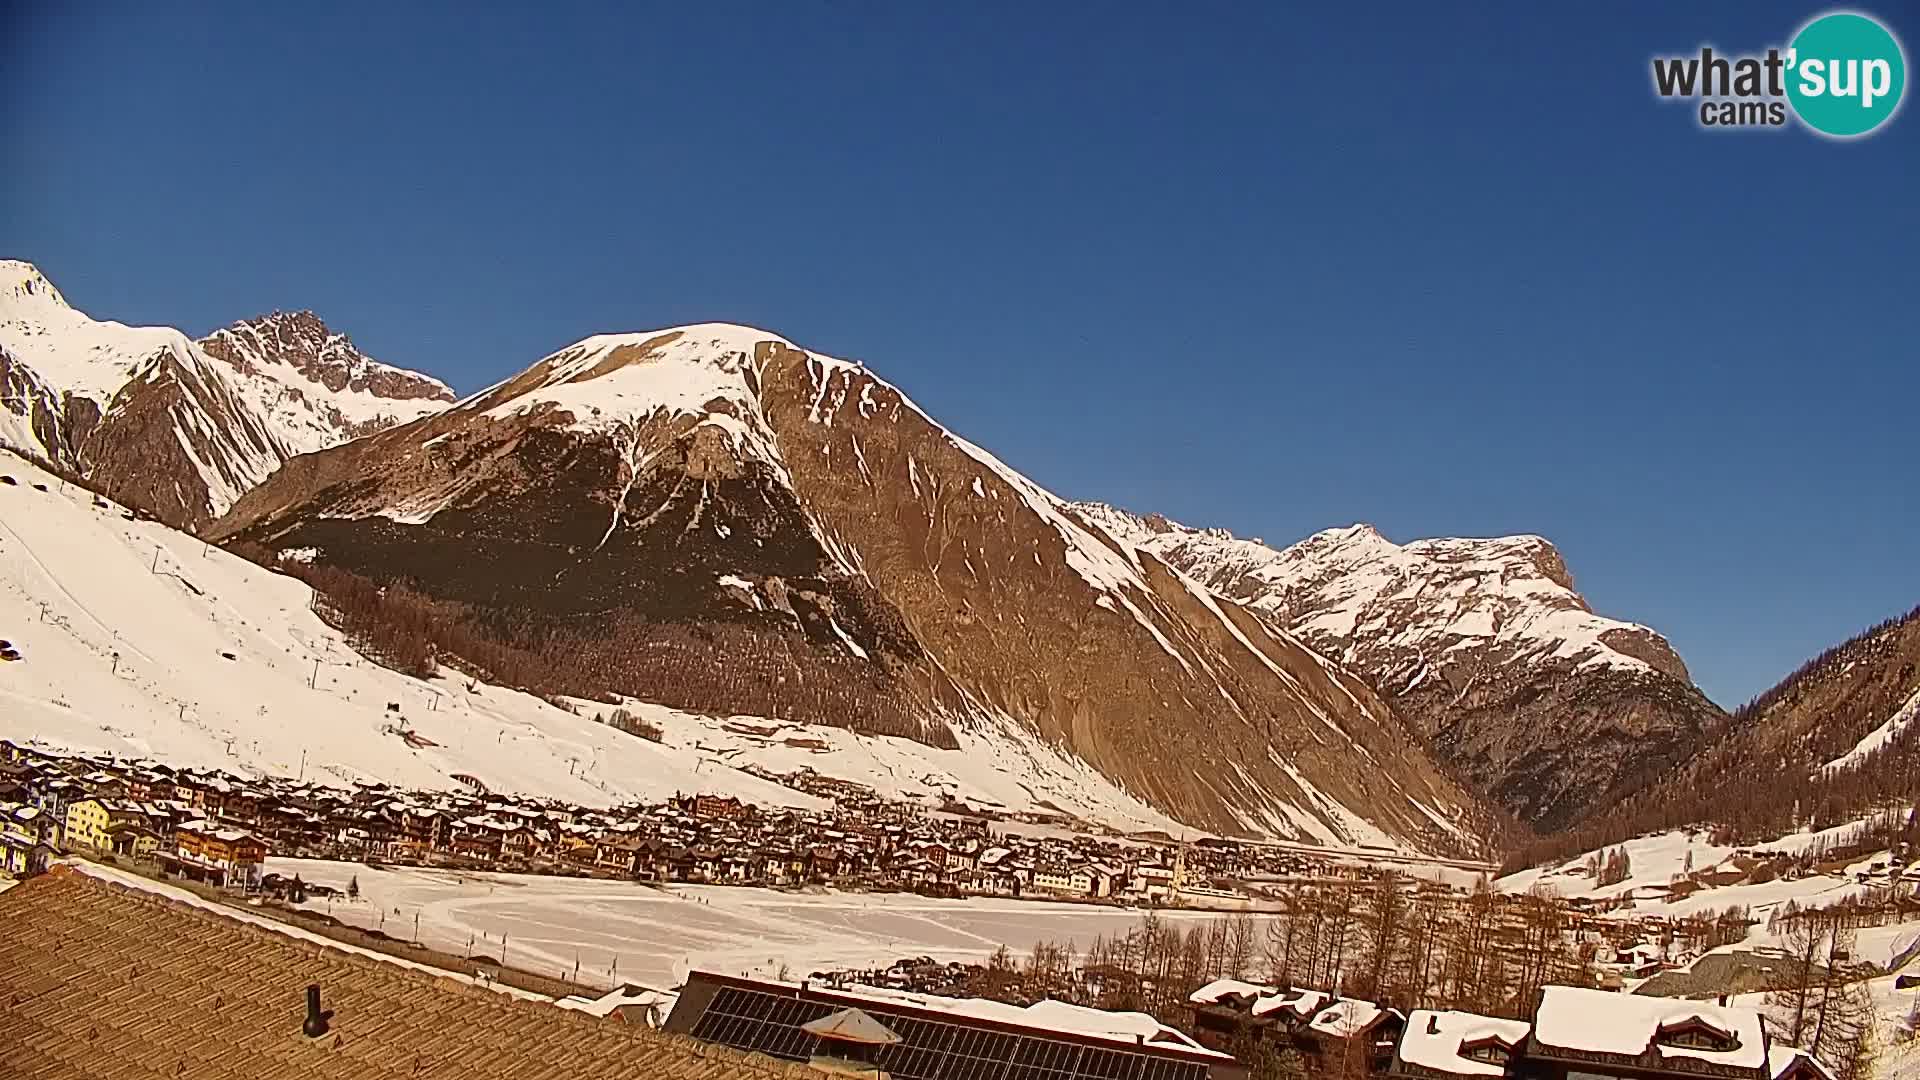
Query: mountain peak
[[176, 427], [703, 370], [1358, 533], [304, 342], [1479, 638], [22, 281]]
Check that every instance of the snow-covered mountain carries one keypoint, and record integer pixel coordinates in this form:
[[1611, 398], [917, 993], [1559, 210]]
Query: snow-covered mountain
[[139, 639], [1482, 643], [716, 519], [331, 391], [179, 428]]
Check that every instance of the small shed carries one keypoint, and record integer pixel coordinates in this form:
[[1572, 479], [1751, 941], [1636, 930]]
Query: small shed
[[850, 1043]]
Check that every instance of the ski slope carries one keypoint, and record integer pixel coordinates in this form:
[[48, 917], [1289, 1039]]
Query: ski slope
[[140, 640]]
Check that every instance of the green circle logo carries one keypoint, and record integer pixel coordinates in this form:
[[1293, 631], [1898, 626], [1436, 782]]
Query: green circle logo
[[1845, 74]]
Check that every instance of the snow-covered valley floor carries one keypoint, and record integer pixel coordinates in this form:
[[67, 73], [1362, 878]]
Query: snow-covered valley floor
[[657, 935]]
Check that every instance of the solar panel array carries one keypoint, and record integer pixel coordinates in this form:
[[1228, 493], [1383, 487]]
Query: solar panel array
[[928, 1049]]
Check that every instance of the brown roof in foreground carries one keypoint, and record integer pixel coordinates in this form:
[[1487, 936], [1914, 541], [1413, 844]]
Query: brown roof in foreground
[[101, 981]]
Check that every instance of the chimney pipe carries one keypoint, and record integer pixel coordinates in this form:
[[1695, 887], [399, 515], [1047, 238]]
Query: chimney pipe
[[316, 1022]]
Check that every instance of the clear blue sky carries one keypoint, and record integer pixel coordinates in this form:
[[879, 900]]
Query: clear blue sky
[[1279, 269]]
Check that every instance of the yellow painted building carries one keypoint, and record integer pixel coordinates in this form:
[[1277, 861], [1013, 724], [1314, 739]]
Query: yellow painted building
[[90, 821], [87, 822]]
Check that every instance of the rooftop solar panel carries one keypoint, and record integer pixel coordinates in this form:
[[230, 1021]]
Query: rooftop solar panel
[[770, 1024]]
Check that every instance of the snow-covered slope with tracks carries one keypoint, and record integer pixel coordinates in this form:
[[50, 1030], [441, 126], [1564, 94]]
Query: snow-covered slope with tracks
[[138, 639]]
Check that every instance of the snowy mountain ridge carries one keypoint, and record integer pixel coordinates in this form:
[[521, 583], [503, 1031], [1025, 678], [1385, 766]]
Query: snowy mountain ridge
[[176, 427], [1473, 639], [329, 387], [1347, 584]]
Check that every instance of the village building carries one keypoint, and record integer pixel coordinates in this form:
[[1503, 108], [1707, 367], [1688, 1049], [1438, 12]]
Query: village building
[[1579, 1034], [1636, 1036], [22, 855], [1446, 1044], [134, 841], [91, 821], [865, 841], [227, 857], [1791, 1063]]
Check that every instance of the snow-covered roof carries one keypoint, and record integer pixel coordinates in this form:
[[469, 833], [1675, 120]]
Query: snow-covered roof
[[1302, 1003], [1782, 1058], [640, 997], [1604, 1022], [1348, 1016], [1211, 993], [1434, 1037]]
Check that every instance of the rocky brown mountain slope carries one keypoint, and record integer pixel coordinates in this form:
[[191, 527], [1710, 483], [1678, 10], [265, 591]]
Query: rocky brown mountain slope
[[713, 518], [175, 427], [1482, 644]]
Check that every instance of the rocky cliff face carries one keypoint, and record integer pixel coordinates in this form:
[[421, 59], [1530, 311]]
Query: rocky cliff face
[[714, 518], [1482, 644], [361, 395], [163, 424]]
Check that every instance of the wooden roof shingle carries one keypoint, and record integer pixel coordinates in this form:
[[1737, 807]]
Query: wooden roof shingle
[[103, 982]]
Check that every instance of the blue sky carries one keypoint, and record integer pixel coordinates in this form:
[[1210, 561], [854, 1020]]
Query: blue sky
[[1280, 269]]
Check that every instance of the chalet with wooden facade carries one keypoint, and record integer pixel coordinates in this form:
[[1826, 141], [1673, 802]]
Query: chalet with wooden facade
[[1332, 1034], [230, 858]]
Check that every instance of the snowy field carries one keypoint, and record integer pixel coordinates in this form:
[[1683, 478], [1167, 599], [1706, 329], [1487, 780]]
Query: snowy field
[[139, 640], [657, 935], [1657, 859]]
